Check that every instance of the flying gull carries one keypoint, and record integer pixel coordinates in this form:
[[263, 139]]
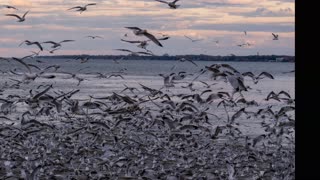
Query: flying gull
[[139, 32], [172, 5], [21, 19]]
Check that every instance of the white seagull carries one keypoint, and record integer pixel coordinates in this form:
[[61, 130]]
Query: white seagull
[[139, 32]]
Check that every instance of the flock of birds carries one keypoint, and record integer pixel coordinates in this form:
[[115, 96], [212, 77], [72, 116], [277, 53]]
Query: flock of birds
[[142, 132], [137, 31]]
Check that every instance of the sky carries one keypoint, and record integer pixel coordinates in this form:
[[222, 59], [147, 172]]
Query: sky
[[210, 20]]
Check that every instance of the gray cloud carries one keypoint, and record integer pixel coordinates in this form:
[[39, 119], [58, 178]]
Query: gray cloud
[[265, 12]]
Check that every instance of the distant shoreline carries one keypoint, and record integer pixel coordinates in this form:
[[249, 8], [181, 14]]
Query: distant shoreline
[[230, 58]]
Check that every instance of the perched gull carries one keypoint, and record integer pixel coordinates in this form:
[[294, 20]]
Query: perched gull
[[275, 36], [21, 19], [82, 8], [55, 44], [172, 5], [139, 32]]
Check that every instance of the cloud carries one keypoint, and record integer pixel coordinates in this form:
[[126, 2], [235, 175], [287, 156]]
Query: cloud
[[208, 19], [22, 3], [265, 12]]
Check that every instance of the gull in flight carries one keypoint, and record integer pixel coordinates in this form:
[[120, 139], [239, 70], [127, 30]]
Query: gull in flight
[[143, 44], [82, 8], [9, 7], [27, 42], [21, 19], [55, 44], [184, 59], [135, 53], [257, 78], [193, 40], [172, 5], [275, 36], [139, 32], [94, 37]]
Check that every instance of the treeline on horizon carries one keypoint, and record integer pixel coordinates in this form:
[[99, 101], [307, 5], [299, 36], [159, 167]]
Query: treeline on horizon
[[257, 58]]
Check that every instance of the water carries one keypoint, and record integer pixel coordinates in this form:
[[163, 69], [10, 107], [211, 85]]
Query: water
[[147, 73], [200, 148]]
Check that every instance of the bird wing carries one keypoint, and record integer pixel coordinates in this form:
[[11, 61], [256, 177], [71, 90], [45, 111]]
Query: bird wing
[[266, 75], [8, 6], [285, 93], [229, 67], [75, 7], [43, 92], [146, 53], [126, 50], [175, 1], [25, 14], [66, 41], [192, 62], [14, 15], [241, 84], [271, 94], [153, 39], [22, 42], [164, 38], [39, 45], [133, 28], [51, 42], [250, 74], [91, 4], [162, 1], [274, 35], [23, 63], [130, 41], [236, 115]]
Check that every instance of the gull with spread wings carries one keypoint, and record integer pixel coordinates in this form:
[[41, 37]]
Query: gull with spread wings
[[55, 44], [29, 43], [21, 19], [139, 32], [82, 8], [172, 5], [135, 53]]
